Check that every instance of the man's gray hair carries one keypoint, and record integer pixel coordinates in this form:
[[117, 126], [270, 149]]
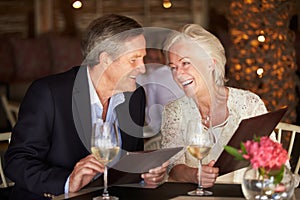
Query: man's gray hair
[[108, 34]]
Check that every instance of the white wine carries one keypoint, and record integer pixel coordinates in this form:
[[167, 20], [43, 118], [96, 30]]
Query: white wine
[[198, 152], [105, 155]]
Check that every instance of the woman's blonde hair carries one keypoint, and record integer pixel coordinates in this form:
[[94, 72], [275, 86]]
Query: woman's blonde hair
[[207, 42]]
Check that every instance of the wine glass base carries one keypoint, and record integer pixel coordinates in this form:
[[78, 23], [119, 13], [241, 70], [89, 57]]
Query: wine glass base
[[199, 192], [106, 198]]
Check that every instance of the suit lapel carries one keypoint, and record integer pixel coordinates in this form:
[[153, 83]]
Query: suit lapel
[[130, 118], [81, 107], [128, 121]]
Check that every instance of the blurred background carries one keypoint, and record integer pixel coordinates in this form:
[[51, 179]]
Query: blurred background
[[261, 38]]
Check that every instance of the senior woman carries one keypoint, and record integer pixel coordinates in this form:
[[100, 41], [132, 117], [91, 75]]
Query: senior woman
[[197, 61]]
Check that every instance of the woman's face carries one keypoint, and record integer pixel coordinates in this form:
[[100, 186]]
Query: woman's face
[[190, 67]]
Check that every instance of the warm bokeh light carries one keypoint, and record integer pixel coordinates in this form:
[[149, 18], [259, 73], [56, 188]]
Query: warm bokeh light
[[167, 4], [261, 38], [262, 55], [77, 4], [260, 72]]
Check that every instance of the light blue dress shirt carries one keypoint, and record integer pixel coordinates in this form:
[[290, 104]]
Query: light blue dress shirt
[[97, 111]]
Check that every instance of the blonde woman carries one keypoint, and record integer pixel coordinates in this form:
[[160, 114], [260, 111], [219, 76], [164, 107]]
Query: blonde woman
[[197, 61]]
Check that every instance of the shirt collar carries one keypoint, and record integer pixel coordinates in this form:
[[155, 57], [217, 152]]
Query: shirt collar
[[115, 100], [93, 94]]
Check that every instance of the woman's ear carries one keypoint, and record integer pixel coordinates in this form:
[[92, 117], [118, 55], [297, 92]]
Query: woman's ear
[[212, 65], [215, 61]]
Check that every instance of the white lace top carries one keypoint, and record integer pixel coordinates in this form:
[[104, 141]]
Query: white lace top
[[241, 104]]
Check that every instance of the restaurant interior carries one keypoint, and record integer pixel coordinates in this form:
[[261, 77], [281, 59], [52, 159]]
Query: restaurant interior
[[261, 40]]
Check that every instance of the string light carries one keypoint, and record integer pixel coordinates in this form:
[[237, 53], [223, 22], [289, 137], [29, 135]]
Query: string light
[[260, 72], [262, 54], [167, 4], [77, 4], [261, 37]]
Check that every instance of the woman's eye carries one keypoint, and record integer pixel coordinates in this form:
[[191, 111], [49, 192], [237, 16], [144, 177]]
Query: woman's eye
[[132, 60]]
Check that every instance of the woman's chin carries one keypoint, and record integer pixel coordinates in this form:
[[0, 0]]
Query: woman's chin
[[189, 92]]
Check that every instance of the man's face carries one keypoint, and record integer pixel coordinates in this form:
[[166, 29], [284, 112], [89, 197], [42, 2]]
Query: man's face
[[122, 71]]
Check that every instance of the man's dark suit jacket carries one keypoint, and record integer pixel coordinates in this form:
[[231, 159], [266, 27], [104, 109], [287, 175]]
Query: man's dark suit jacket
[[51, 135]]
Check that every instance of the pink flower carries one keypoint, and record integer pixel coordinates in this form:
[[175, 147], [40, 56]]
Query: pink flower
[[265, 153]]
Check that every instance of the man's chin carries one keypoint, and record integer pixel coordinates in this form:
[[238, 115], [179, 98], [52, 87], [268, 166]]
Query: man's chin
[[131, 89], [127, 89]]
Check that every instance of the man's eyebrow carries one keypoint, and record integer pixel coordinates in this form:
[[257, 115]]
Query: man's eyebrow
[[137, 55], [182, 58]]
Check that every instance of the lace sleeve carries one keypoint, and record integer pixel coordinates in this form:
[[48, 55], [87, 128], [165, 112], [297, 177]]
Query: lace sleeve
[[244, 103], [172, 133], [256, 105]]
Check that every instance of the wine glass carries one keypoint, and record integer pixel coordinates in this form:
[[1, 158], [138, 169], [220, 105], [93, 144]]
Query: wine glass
[[105, 146], [200, 140]]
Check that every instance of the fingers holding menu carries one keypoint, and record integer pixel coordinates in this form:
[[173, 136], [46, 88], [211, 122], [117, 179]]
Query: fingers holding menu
[[156, 175]]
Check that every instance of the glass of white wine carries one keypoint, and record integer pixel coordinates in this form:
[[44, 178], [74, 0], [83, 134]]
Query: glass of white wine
[[105, 146], [200, 140]]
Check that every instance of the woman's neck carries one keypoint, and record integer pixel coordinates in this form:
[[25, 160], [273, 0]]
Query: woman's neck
[[213, 106]]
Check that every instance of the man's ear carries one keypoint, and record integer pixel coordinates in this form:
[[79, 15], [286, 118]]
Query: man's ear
[[104, 58]]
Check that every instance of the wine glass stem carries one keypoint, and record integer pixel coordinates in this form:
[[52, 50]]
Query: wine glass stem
[[199, 174], [105, 192]]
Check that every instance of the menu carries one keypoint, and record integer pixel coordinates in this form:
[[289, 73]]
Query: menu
[[131, 165], [261, 125]]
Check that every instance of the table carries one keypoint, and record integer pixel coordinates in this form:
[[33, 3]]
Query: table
[[169, 190]]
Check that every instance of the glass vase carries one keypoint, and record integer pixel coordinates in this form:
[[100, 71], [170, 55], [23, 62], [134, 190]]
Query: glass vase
[[258, 187]]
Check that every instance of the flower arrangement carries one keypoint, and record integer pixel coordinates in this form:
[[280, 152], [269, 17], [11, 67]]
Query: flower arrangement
[[263, 154]]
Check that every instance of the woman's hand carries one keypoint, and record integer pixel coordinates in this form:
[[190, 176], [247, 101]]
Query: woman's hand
[[83, 172], [184, 173], [156, 176], [209, 174]]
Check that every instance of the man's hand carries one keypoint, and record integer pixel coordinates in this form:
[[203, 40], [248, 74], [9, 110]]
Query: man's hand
[[83, 172], [156, 176], [209, 174]]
